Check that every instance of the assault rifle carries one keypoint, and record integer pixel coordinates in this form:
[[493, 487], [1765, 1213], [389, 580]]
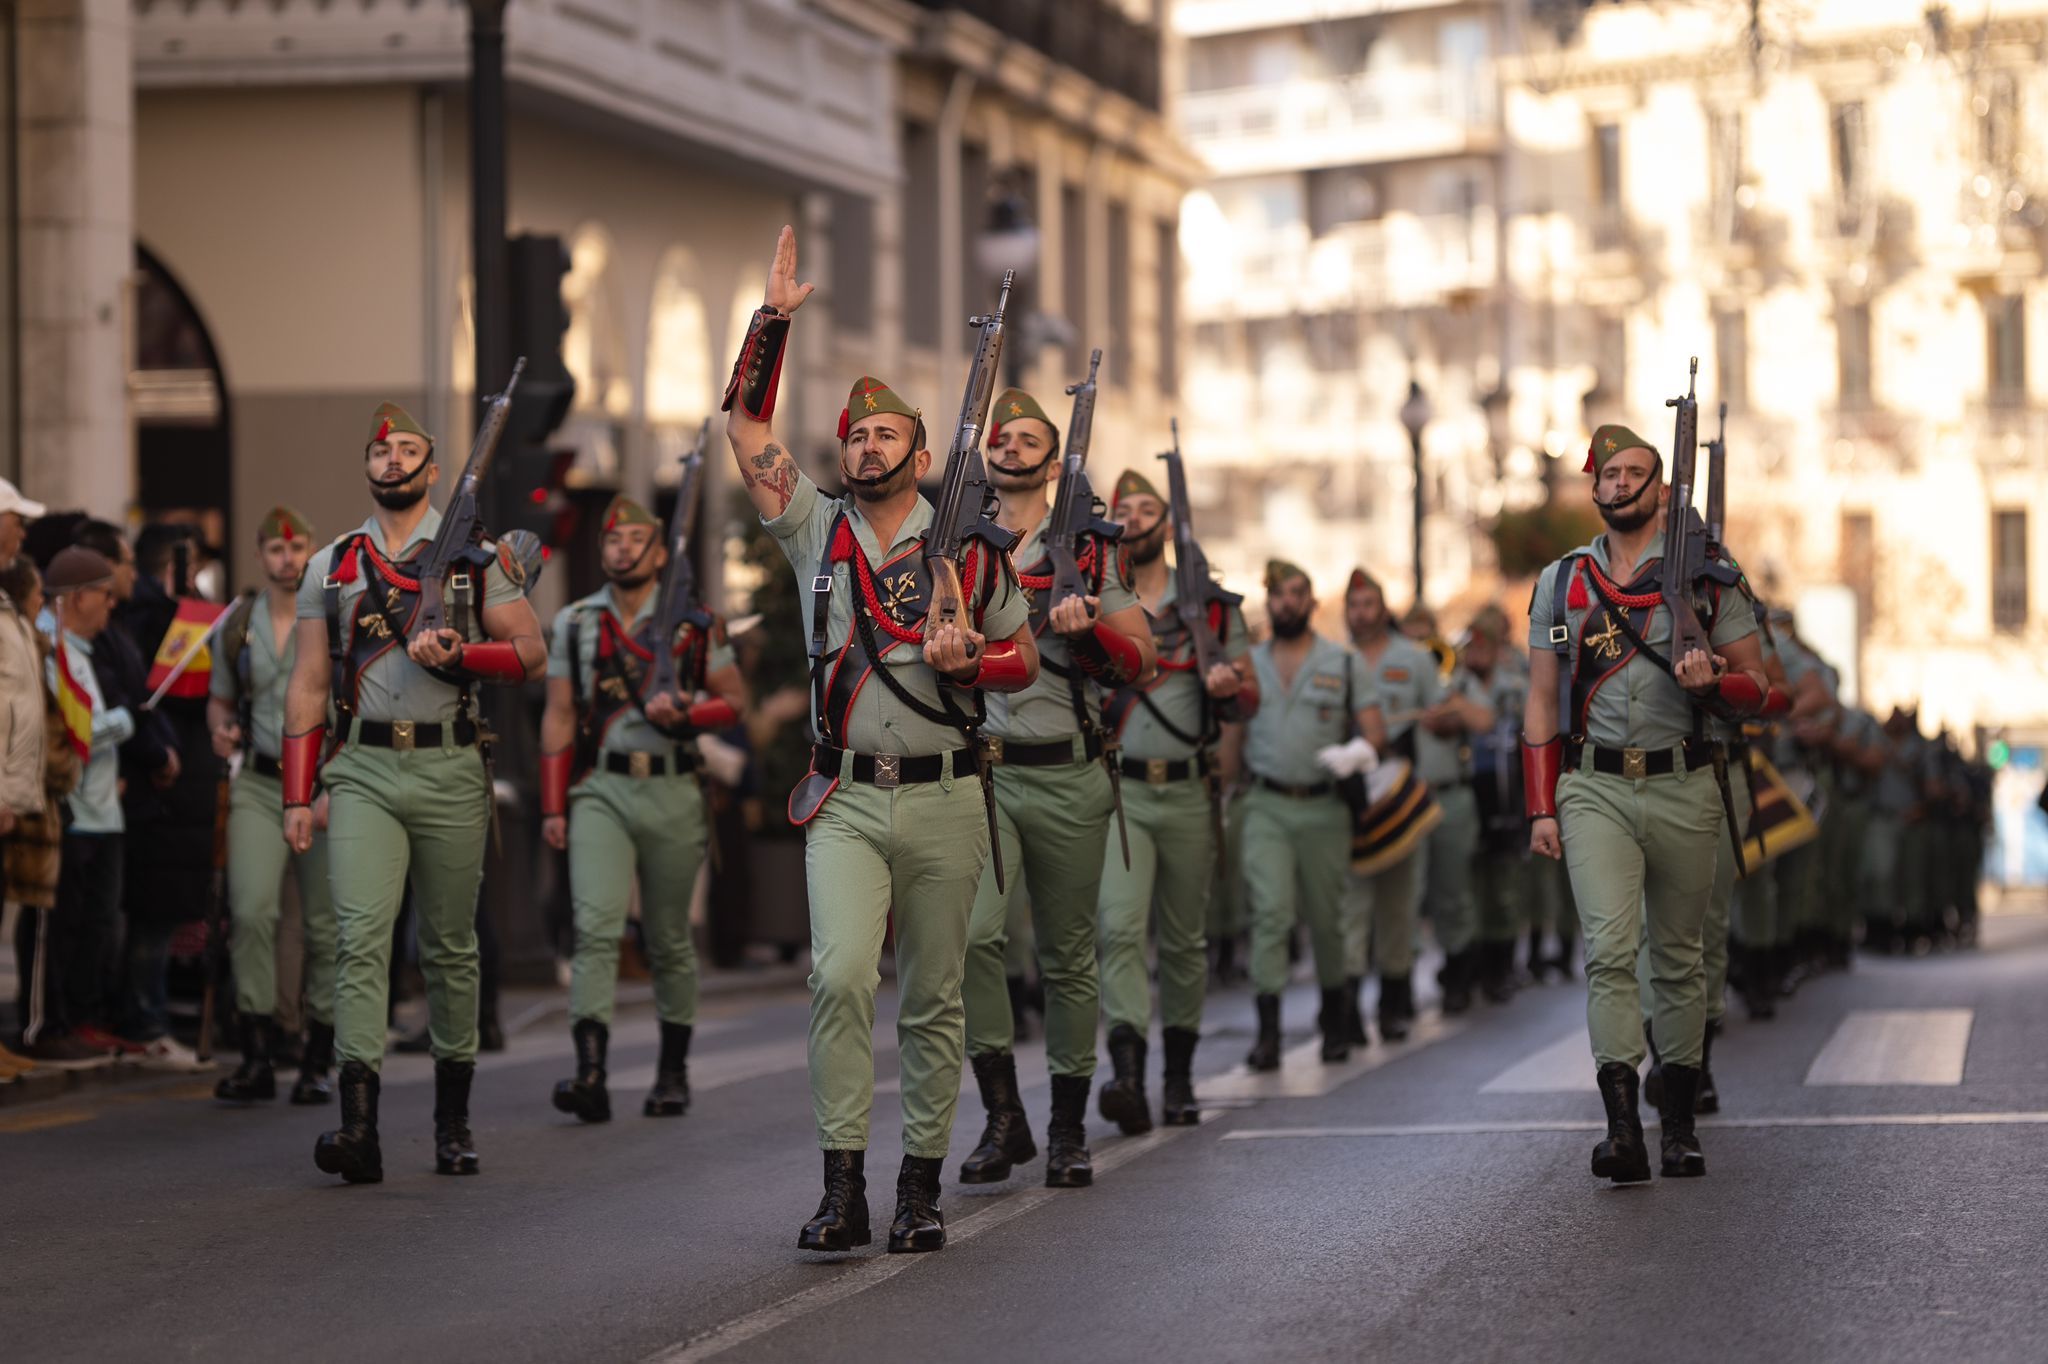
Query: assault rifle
[[456, 547], [1685, 535], [957, 518], [676, 602], [1195, 590], [1073, 519]]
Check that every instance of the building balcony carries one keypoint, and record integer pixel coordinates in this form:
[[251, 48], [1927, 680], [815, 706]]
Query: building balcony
[[1205, 18], [2008, 431], [1309, 125], [1092, 37], [1400, 261]]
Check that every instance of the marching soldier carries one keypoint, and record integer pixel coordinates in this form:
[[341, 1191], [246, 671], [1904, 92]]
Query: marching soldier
[[1167, 731], [1054, 808], [1444, 734], [636, 810], [892, 810], [1615, 758], [408, 788], [1382, 907], [1501, 862], [258, 644], [1314, 695]]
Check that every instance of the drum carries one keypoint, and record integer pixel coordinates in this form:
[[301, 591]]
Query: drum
[[1398, 814]]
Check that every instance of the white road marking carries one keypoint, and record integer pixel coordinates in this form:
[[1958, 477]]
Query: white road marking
[[1302, 1074], [1482, 1129], [869, 1272], [1563, 1067], [1895, 1047]]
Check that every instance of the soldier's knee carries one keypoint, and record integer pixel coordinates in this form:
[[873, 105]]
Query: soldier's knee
[[843, 984]]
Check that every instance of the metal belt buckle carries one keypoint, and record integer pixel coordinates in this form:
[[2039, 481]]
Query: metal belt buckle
[[1155, 771], [1635, 763], [992, 748], [401, 736], [640, 764], [888, 770]]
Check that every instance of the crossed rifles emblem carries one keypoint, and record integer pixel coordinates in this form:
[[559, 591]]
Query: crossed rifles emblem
[[899, 591], [1607, 644]]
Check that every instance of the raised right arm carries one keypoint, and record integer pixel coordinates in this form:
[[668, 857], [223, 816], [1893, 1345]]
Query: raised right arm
[[766, 469]]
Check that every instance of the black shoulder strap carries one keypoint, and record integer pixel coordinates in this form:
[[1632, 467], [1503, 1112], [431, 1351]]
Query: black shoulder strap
[[1561, 643], [1350, 701], [337, 642], [575, 647]]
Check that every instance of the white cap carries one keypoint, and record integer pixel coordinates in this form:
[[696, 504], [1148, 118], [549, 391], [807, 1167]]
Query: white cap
[[11, 500]]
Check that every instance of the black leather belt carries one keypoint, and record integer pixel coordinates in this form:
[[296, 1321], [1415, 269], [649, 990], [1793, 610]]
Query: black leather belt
[[1453, 783], [265, 766], [1309, 792], [1637, 762], [405, 735], [639, 764], [894, 769], [1051, 753], [1159, 771]]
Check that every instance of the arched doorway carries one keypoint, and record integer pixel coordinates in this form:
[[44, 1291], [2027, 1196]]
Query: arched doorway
[[183, 447]]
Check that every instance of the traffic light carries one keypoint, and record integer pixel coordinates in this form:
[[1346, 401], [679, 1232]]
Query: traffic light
[[528, 473]]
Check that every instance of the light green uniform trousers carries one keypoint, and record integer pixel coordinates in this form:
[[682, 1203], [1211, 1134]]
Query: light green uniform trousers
[[1173, 867], [1054, 823], [1296, 855], [1228, 912], [1714, 928], [1452, 849], [1379, 917], [1842, 835], [1641, 856], [257, 861], [914, 853], [1497, 890], [422, 816], [622, 828]]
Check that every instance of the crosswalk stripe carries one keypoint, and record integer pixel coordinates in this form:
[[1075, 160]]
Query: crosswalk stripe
[[1563, 1067], [1303, 1075], [1487, 1129], [1895, 1047]]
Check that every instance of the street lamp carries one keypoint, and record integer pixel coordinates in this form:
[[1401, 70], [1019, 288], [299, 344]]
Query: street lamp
[[1415, 415]]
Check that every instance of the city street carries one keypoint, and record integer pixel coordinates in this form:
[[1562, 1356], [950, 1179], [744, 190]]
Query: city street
[[1875, 1193]]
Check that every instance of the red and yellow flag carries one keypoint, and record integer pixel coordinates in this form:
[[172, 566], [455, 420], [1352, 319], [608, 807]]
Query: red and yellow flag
[[188, 633], [74, 703]]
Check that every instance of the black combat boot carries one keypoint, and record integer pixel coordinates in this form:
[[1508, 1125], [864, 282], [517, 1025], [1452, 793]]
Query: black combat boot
[[1122, 1099], [254, 1078], [1653, 1082], [1006, 1140], [670, 1096], [1397, 1006], [1067, 1163], [1706, 1098], [1682, 1158], [841, 1222], [585, 1096], [352, 1151], [1333, 1020], [1621, 1155], [1176, 1083], [454, 1148], [1496, 962], [1455, 980], [1020, 1007], [919, 1225], [1265, 1053], [1354, 1011], [312, 1086]]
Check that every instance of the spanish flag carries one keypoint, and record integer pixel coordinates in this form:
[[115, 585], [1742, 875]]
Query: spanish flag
[[188, 635], [74, 703]]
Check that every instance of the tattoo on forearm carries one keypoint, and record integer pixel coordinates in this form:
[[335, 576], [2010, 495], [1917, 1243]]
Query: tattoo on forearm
[[773, 470]]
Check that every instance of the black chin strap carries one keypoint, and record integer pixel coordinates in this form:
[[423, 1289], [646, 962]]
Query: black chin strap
[[870, 484]]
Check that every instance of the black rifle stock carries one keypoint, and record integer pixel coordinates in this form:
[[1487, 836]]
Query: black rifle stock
[[676, 602], [462, 527], [958, 517]]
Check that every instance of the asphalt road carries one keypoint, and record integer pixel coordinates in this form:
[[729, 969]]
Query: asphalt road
[[1876, 1191]]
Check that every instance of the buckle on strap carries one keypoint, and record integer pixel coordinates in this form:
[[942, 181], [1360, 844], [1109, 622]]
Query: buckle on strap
[[822, 584], [402, 737], [1560, 634], [888, 770], [1155, 771], [1635, 763], [640, 764]]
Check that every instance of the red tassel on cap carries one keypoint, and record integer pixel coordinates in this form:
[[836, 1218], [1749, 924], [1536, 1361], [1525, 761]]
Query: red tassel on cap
[[384, 429], [995, 432], [845, 423]]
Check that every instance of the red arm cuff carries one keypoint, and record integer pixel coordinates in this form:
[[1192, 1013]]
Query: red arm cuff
[[493, 660], [716, 713], [1540, 766], [1777, 702], [1736, 696], [1002, 668], [555, 770], [757, 373], [1242, 706], [301, 765], [1108, 655]]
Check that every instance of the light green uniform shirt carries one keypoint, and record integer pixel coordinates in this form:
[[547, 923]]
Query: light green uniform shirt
[[1439, 759], [630, 732], [879, 723], [394, 687], [1177, 693], [1642, 706], [1293, 723], [1045, 709], [264, 672], [1408, 684]]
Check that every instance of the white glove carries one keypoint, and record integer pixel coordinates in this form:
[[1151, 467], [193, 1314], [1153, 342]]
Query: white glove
[[726, 762], [1348, 759]]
